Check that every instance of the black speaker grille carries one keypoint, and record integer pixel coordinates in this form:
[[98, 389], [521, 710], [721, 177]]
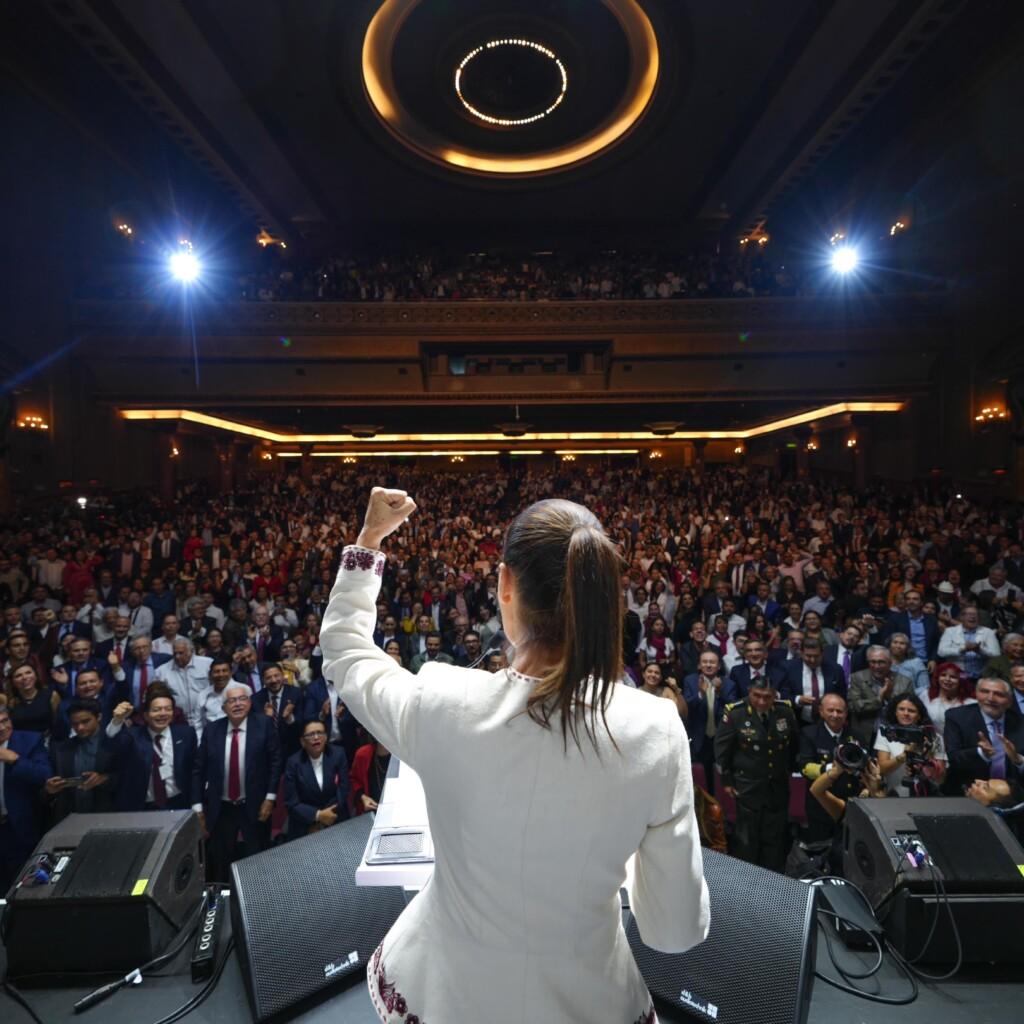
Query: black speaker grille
[[298, 916], [757, 962]]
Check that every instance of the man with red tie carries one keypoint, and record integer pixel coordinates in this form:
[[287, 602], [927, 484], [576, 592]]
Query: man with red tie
[[139, 666], [235, 781], [809, 679]]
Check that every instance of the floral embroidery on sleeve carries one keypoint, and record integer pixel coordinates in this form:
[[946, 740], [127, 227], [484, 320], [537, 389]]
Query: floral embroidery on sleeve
[[384, 994], [363, 559]]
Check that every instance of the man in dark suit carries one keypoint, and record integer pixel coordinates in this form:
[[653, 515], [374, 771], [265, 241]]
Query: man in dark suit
[[46, 639], [80, 659], [763, 601], [704, 693], [754, 667], [166, 551], [818, 743], [196, 623], [690, 652], [714, 603], [157, 758], [139, 669], [922, 629], [247, 669], [118, 644], [316, 783], [265, 637], [124, 562], [789, 651], [809, 679], [984, 740], [24, 769], [282, 704], [88, 755], [90, 687], [850, 654], [234, 784]]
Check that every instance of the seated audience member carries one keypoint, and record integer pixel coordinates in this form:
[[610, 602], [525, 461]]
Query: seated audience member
[[968, 645], [432, 652], [169, 626], [234, 783], [393, 649], [468, 651], [156, 758], [296, 669], [949, 689], [31, 705], [89, 686], [690, 652], [213, 704], [705, 695], [870, 691], [657, 684], [984, 740], [247, 669], [80, 657], [84, 779], [496, 662], [1013, 655], [282, 704], [809, 679], [817, 752], [921, 763], [922, 629], [1005, 798], [188, 676], [24, 769], [849, 654], [139, 671], [906, 663], [752, 669], [369, 771], [316, 783]]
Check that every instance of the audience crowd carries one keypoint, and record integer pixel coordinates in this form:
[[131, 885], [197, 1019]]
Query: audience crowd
[[501, 277], [166, 655]]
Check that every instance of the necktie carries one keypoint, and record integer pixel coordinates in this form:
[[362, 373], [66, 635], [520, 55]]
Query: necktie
[[755, 679], [259, 647], [997, 769], [143, 681], [159, 789], [117, 650], [234, 771], [277, 705], [167, 549], [815, 691], [709, 695], [846, 665]]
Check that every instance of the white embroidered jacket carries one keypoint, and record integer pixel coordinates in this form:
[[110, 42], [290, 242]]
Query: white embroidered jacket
[[520, 921]]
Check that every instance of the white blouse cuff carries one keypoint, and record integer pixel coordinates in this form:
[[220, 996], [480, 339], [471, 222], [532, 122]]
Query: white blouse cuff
[[356, 559]]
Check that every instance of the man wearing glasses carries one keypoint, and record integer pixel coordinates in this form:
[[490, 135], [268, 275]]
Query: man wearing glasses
[[234, 785], [316, 784]]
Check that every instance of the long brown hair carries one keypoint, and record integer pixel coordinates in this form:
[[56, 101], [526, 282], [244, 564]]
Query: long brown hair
[[568, 577]]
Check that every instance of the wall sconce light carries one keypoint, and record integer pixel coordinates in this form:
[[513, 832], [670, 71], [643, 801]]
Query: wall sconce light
[[174, 451], [990, 413], [655, 454], [348, 460], [33, 422], [457, 458], [851, 442], [568, 458], [739, 450], [812, 446], [267, 456]]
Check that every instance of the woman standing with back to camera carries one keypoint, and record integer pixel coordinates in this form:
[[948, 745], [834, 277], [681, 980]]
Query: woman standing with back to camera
[[542, 781]]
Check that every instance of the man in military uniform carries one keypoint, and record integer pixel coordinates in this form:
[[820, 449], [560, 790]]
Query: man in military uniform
[[818, 744], [755, 747]]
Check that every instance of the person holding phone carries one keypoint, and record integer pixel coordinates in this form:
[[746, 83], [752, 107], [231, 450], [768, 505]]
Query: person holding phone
[[84, 767]]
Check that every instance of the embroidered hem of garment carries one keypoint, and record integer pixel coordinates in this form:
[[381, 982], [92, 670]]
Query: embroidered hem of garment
[[387, 999], [355, 557]]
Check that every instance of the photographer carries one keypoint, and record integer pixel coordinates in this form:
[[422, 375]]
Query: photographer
[[871, 785], [911, 756], [818, 745]]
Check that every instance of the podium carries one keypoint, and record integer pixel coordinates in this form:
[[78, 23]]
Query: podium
[[399, 851]]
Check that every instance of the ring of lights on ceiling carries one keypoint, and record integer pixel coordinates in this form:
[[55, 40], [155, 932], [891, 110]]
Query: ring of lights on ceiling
[[507, 122], [382, 95]]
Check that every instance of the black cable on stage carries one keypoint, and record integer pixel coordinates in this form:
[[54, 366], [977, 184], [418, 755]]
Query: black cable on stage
[[848, 975], [13, 992], [203, 994], [105, 991], [941, 899]]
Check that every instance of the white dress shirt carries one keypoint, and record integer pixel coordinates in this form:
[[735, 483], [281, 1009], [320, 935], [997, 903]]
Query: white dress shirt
[[166, 752], [190, 685], [242, 726], [317, 764], [141, 621], [161, 645]]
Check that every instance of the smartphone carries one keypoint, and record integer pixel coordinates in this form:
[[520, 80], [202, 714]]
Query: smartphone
[[75, 781]]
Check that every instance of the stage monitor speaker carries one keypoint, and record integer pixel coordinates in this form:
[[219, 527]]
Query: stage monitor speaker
[[918, 860], [757, 963], [301, 898], [103, 893]]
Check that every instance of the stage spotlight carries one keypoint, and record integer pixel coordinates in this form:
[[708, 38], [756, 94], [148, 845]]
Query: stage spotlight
[[184, 266], [844, 259]]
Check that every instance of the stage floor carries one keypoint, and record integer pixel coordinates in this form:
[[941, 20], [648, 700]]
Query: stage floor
[[978, 995]]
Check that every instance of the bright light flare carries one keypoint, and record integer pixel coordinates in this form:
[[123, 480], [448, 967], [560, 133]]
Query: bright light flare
[[184, 266], [844, 259]]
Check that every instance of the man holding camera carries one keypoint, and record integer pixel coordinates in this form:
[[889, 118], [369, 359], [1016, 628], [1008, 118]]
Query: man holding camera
[[755, 746], [818, 745]]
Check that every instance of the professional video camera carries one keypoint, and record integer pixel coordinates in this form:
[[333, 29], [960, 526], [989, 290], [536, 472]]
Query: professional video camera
[[851, 756], [919, 743]]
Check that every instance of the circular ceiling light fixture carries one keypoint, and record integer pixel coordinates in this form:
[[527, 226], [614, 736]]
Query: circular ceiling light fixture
[[408, 129], [513, 122]]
